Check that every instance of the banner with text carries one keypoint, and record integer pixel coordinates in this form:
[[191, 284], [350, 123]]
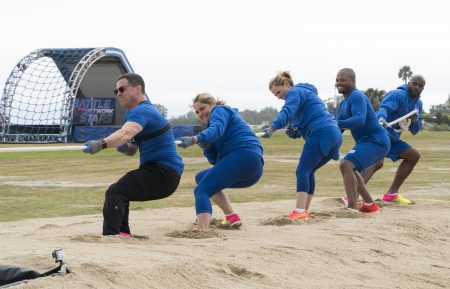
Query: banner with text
[[94, 111]]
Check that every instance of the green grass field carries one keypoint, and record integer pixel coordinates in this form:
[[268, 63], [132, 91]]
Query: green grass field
[[47, 184]]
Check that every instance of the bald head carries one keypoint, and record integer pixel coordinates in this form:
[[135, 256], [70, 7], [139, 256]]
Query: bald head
[[345, 81], [418, 77], [416, 85], [348, 72]]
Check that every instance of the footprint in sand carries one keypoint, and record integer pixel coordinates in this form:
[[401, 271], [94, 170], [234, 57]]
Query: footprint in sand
[[314, 217], [94, 238], [195, 234], [242, 272]]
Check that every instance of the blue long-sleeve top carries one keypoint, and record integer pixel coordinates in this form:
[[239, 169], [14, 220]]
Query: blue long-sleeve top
[[160, 149], [304, 110], [227, 131], [356, 113], [397, 103]]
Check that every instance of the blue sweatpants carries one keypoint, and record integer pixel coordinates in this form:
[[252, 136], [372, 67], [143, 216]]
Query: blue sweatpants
[[238, 169], [320, 147]]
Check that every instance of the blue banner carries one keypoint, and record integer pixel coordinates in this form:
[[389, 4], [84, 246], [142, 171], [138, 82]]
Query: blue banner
[[94, 111]]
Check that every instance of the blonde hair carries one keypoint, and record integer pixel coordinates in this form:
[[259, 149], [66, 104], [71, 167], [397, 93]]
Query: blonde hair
[[280, 78], [207, 98]]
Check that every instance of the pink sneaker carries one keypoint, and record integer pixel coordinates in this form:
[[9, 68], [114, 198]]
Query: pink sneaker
[[233, 221], [344, 199], [123, 234], [396, 199]]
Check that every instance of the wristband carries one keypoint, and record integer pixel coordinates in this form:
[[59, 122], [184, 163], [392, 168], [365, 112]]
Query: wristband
[[104, 144]]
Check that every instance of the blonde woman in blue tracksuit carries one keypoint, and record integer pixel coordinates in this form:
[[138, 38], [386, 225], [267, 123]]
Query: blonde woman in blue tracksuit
[[235, 152], [306, 116]]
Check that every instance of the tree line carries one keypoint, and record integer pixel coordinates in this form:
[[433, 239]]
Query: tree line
[[439, 115]]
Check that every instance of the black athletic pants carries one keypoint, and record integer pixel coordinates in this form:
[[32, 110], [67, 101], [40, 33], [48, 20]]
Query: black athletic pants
[[151, 181]]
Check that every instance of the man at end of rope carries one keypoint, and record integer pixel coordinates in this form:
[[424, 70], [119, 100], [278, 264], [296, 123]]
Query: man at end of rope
[[395, 104], [146, 130]]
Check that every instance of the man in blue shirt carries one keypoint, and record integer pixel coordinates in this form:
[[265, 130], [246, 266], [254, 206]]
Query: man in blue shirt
[[396, 104], [371, 140], [160, 169]]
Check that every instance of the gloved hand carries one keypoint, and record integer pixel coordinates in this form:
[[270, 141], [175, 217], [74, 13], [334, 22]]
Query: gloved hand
[[414, 117], [292, 132], [122, 148], [404, 124], [268, 132], [128, 149], [186, 141], [204, 146], [383, 122], [92, 147]]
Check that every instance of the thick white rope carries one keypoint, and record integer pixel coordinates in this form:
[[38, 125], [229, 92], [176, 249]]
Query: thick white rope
[[40, 149], [403, 117], [63, 148]]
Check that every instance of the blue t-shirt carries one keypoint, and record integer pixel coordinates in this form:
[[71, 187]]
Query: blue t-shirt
[[397, 103], [227, 131], [160, 149], [356, 113], [304, 110]]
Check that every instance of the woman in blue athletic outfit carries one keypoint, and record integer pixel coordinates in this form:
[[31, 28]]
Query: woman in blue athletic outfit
[[305, 115], [232, 148], [371, 140]]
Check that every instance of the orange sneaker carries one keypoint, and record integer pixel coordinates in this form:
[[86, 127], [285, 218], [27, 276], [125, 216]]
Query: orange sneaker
[[369, 209], [299, 216]]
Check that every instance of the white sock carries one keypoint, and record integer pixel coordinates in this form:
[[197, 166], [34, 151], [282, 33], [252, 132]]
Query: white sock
[[368, 204], [299, 210]]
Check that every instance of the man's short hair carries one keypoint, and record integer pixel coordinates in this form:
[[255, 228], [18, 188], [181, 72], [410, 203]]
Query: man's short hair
[[133, 79]]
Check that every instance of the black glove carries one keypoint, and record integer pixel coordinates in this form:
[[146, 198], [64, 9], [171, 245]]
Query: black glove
[[122, 148], [414, 117], [292, 132], [204, 146]]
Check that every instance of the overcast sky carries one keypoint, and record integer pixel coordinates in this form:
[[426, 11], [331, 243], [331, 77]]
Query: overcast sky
[[232, 48]]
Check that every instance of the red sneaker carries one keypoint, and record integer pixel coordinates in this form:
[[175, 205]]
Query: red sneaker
[[369, 209]]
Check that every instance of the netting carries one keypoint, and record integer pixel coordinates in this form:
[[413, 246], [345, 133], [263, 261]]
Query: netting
[[37, 100]]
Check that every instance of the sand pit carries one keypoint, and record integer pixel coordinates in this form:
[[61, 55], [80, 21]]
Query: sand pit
[[401, 247]]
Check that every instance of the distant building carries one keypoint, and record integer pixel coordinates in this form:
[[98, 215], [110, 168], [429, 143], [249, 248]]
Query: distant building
[[442, 108]]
